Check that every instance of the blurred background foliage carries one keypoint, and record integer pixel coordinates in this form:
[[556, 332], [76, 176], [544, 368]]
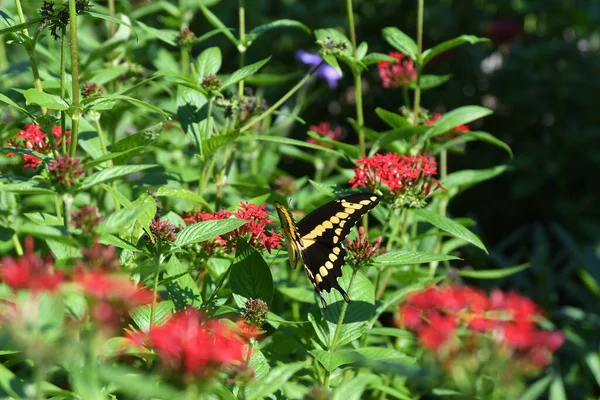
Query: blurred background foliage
[[540, 73]]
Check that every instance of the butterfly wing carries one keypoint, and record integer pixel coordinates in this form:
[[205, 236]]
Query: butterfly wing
[[321, 235]]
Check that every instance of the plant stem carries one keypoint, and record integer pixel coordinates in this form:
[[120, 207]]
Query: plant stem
[[58, 205], [242, 47], [279, 102], [390, 271], [219, 284], [185, 59], [350, 12], [111, 12], [17, 244], [338, 327], [417, 105], [155, 290], [75, 77], [63, 88], [383, 229], [31, 54]]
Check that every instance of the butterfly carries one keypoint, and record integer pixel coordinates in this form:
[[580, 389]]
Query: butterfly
[[318, 238]]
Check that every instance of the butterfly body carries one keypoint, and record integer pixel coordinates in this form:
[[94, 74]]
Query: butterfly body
[[318, 238]]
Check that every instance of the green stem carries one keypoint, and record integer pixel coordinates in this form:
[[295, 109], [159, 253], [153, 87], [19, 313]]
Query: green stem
[[326, 379], [111, 12], [67, 201], [242, 47], [155, 290], [17, 244], [388, 274], [338, 327], [31, 54], [63, 88], [279, 102], [417, 105], [406, 97], [58, 205], [3, 58], [219, 284], [75, 77], [101, 138], [383, 229], [350, 12], [185, 59]]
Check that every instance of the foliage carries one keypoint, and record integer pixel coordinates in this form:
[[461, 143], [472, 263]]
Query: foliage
[[144, 151]]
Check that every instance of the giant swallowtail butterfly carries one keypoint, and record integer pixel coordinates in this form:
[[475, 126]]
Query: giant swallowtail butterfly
[[318, 238]]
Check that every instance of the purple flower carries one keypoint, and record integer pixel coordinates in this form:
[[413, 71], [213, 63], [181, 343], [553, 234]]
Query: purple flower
[[326, 71]]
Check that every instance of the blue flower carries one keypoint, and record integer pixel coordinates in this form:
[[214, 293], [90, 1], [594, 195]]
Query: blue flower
[[326, 71]]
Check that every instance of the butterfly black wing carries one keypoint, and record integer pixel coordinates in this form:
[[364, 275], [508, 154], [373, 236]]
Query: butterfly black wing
[[322, 233]]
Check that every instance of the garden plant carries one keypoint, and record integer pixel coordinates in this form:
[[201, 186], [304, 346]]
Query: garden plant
[[142, 254]]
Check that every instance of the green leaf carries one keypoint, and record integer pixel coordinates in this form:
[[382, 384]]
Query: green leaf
[[265, 387], [116, 241], [280, 23], [454, 118], [134, 383], [353, 389], [493, 273], [54, 233], [180, 193], [113, 19], [130, 221], [51, 102], [447, 225], [7, 100], [393, 332], [459, 181], [27, 187], [285, 140], [383, 354], [136, 102], [209, 62], [265, 79], [360, 308], [395, 258], [537, 389], [377, 57], [361, 50], [351, 151], [209, 34], [183, 290], [557, 388], [488, 138], [401, 42], [162, 312], [387, 138], [430, 54], [392, 119], [206, 230], [244, 72], [430, 81], [211, 145], [111, 156], [250, 276], [111, 173], [216, 23], [20, 27], [330, 360], [593, 362], [143, 138], [260, 364], [11, 387], [192, 107], [164, 35]]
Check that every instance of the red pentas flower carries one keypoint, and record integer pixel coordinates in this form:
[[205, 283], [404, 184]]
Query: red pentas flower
[[87, 219], [32, 138], [191, 343], [30, 271], [409, 179], [112, 288], [507, 319], [254, 232], [360, 249], [163, 230], [325, 129], [399, 74], [65, 171]]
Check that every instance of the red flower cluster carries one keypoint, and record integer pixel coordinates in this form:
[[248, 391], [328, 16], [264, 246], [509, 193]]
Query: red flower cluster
[[453, 134], [409, 179], [30, 271], [87, 219], [32, 138], [190, 343], [509, 319], [66, 171], [361, 250], [254, 232], [285, 185], [399, 74], [324, 128], [91, 89], [163, 230]]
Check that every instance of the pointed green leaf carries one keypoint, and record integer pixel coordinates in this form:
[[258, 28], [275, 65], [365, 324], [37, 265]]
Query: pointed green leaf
[[280, 23], [430, 54], [401, 42], [162, 312], [216, 23], [265, 387], [374, 58], [459, 181], [395, 258], [250, 276], [209, 62], [285, 140], [493, 273], [111, 173], [430, 81], [244, 72], [454, 118], [207, 230], [330, 360], [183, 290], [51, 102], [488, 138], [450, 226], [180, 193], [392, 119]]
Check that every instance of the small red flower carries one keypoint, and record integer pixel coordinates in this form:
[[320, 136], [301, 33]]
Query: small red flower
[[408, 178], [112, 288], [211, 82], [190, 343], [87, 219], [91, 89], [163, 230], [285, 185], [254, 232], [32, 138], [399, 74], [65, 171], [361, 250], [99, 258], [186, 37], [324, 128], [255, 311], [30, 271]]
